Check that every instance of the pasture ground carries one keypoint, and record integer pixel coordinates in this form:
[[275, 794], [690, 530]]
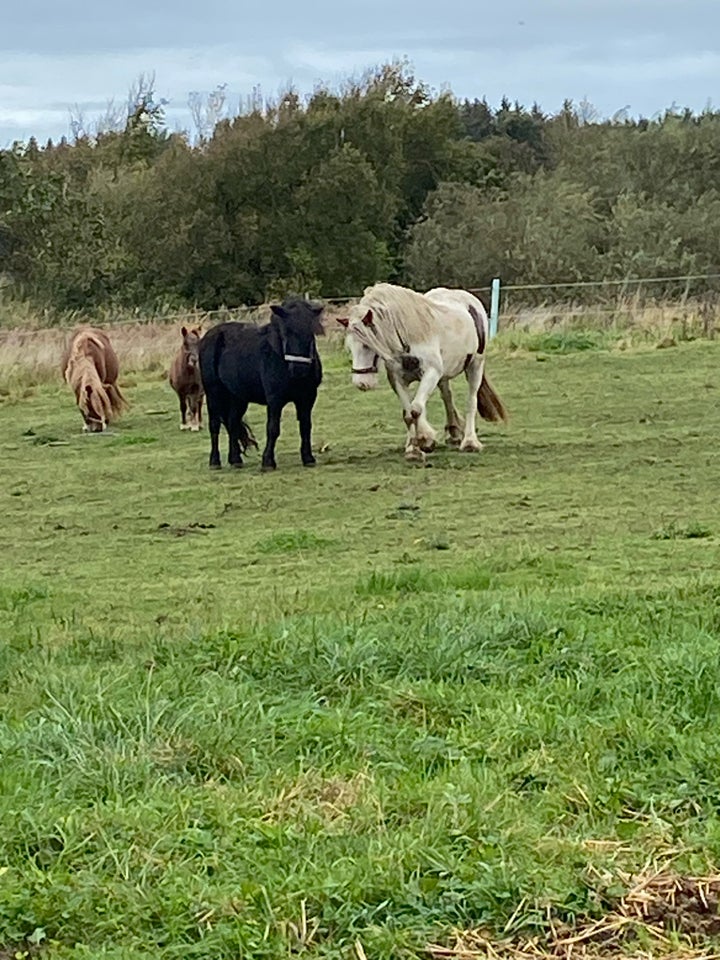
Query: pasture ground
[[344, 712]]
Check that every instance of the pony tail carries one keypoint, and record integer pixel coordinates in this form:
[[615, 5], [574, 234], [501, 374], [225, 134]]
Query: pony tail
[[490, 406], [247, 437]]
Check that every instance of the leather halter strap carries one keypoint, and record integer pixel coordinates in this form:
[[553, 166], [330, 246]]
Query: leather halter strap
[[364, 370], [293, 358]]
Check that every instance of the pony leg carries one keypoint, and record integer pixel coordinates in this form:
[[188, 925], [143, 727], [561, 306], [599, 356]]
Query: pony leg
[[194, 412], [184, 425], [304, 416], [199, 412], [412, 450], [272, 433], [423, 431], [215, 423], [234, 429], [453, 424], [474, 375]]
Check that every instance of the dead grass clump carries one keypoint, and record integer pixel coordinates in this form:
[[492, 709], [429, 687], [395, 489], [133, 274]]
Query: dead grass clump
[[330, 799], [662, 915]]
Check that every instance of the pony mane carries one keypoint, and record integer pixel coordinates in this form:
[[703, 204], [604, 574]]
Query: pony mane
[[80, 373], [400, 317], [77, 351]]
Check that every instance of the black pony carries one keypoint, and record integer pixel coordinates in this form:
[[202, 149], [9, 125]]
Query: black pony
[[272, 365]]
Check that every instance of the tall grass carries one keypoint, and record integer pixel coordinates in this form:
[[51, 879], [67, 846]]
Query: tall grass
[[30, 353]]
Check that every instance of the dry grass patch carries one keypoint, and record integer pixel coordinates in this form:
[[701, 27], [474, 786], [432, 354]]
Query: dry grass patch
[[661, 915], [331, 799]]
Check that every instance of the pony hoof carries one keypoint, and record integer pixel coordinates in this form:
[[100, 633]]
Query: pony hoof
[[185, 426], [215, 466], [268, 467], [427, 446], [309, 463], [470, 446], [237, 466], [194, 429], [414, 456], [454, 441]]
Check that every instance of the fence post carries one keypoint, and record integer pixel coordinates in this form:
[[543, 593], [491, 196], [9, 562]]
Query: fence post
[[494, 306]]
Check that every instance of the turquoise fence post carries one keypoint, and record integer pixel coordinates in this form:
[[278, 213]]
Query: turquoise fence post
[[494, 306]]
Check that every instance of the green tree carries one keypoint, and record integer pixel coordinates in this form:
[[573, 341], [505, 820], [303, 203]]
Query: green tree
[[345, 218], [545, 230]]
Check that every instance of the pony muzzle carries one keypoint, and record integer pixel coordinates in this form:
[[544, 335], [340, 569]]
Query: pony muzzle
[[367, 380], [94, 426]]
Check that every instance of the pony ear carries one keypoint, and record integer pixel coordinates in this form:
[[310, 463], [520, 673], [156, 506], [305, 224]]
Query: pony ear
[[368, 319], [184, 331], [343, 321], [278, 311]]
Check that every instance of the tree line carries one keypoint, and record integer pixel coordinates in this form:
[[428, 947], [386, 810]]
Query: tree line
[[379, 180]]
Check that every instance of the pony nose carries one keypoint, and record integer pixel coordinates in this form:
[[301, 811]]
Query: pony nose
[[364, 381]]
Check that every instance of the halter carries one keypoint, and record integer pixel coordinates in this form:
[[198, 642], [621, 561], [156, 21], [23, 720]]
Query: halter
[[292, 358], [372, 369]]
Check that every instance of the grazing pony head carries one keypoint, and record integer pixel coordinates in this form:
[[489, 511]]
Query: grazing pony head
[[94, 406], [191, 342], [293, 328]]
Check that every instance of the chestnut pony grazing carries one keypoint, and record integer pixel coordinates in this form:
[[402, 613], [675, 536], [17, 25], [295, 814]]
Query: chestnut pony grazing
[[90, 366], [185, 380]]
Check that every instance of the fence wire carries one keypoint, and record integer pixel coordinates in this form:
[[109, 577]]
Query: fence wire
[[513, 297]]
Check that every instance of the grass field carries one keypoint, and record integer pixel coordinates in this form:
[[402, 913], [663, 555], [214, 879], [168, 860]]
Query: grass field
[[342, 712]]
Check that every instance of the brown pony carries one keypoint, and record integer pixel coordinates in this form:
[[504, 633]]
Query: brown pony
[[185, 379], [90, 366]]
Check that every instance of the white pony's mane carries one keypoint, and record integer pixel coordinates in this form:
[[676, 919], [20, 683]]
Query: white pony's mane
[[400, 317]]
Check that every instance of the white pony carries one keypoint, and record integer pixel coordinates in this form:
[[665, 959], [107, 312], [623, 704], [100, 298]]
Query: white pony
[[430, 338]]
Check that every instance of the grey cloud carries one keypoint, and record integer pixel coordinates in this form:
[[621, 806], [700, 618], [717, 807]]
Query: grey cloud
[[646, 53]]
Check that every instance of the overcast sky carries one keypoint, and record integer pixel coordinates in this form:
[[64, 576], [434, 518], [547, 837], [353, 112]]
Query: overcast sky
[[643, 54]]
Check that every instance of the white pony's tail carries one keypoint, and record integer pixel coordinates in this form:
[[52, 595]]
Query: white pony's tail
[[490, 406]]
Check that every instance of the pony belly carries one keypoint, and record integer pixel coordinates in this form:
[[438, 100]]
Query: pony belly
[[456, 362]]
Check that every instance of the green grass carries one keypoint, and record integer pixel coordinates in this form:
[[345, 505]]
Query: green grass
[[252, 715]]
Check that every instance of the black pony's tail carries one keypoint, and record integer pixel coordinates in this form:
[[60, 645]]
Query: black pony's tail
[[247, 437]]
